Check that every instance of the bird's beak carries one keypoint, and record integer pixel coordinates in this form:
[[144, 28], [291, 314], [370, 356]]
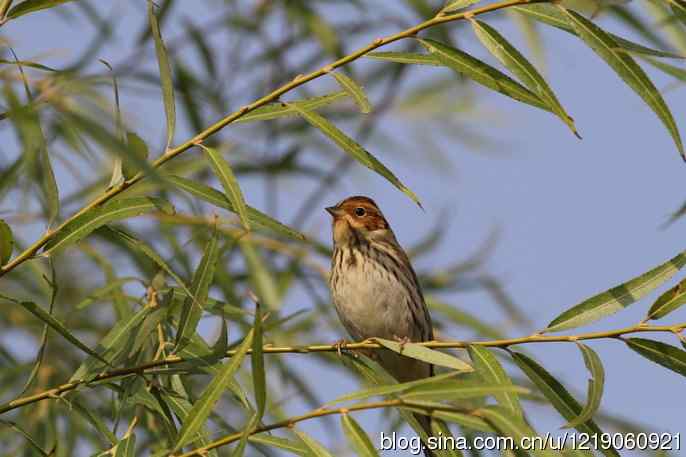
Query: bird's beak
[[334, 211]]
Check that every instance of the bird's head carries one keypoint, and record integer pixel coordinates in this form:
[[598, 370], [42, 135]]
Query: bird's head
[[357, 217]]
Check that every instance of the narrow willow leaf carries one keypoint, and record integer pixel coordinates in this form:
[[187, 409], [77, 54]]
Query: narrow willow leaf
[[456, 390], [165, 75], [229, 182], [511, 58], [216, 198], [668, 301], [482, 73], [257, 365], [314, 446], [112, 344], [28, 63], [406, 58], [275, 110], [58, 326], [83, 225], [357, 437], [6, 242], [139, 151], [354, 90], [149, 252], [104, 291], [281, 443], [464, 420], [672, 70], [351, 147], [492, 372], [595, 386], [558, 396], [200, 286], [29, 439], [425, 354], [627, 69], [550, 15], [512, 425], [441, 430], [29, 6], [126, 447], [261, 277], [389, 389], [94, 419], [203, 407], [617, 298], [661, 353], [679, 9], [454, 5]]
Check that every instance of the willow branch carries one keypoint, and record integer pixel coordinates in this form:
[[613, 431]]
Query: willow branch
[[298, 81], [148, 367], [291, 421]]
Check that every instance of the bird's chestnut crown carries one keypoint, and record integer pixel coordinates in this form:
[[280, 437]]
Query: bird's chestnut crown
[[360, 213]]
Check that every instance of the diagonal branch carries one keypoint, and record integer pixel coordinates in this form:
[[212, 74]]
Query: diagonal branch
[[148, 367], [298, 81]]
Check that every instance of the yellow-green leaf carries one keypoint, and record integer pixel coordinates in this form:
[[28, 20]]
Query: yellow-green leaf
[[351, 147], [275, 110], [617, 298], [165, 75], [203, 407], [406, 58], [512, 425], [511, 58], [357, 437], [595, 386], [492, 372], [83, 225], [229, 182], [661, 353], [6, 242], [29, 6], [315, 447], [354, 90], [668, 301], [425, 354], [627, 69]]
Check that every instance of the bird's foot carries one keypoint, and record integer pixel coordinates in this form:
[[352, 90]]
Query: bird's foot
[[403, 341], [339, 344]]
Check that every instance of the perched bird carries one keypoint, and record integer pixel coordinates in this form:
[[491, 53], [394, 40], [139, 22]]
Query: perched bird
[[374, 288]]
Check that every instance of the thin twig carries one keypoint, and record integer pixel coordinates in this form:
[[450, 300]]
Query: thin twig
[[269, 349]]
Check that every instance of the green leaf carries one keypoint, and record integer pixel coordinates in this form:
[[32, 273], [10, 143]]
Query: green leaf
[[203, 407], [595, 386], [357, 437], [29, 6], [351, 147], [406, 58], [482, 73], [261, 277], [440, 429], [354, 90], [512, 425], [679, 9], [661, 353], [550, 15], [126, 447], [464, 420], [93, 418], [275, 110], [457, 390], [6, 242], [165, 75], [314, 446], [492, 372], [138, 245], [112, 345], [104, 291], [668, 301], [511, 58], [627, 69], [257, 365], [281, 443], [617, 298], [216, 198], [200, 286], [425, 354], [229, 182], [138, 150], [672, 70], [81, 226], [558, 396], [393, 388], [58, 326], [454, 5]]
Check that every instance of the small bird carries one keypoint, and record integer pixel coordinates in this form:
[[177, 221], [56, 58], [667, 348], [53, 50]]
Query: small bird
[[375, 289]]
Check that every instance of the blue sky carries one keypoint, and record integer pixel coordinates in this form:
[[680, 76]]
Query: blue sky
[[575, 217]]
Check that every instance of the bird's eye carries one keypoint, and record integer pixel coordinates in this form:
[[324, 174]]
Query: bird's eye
[[359, 212]]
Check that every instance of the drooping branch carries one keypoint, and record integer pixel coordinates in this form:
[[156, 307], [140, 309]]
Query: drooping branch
[[147, 367], [298, 81]]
